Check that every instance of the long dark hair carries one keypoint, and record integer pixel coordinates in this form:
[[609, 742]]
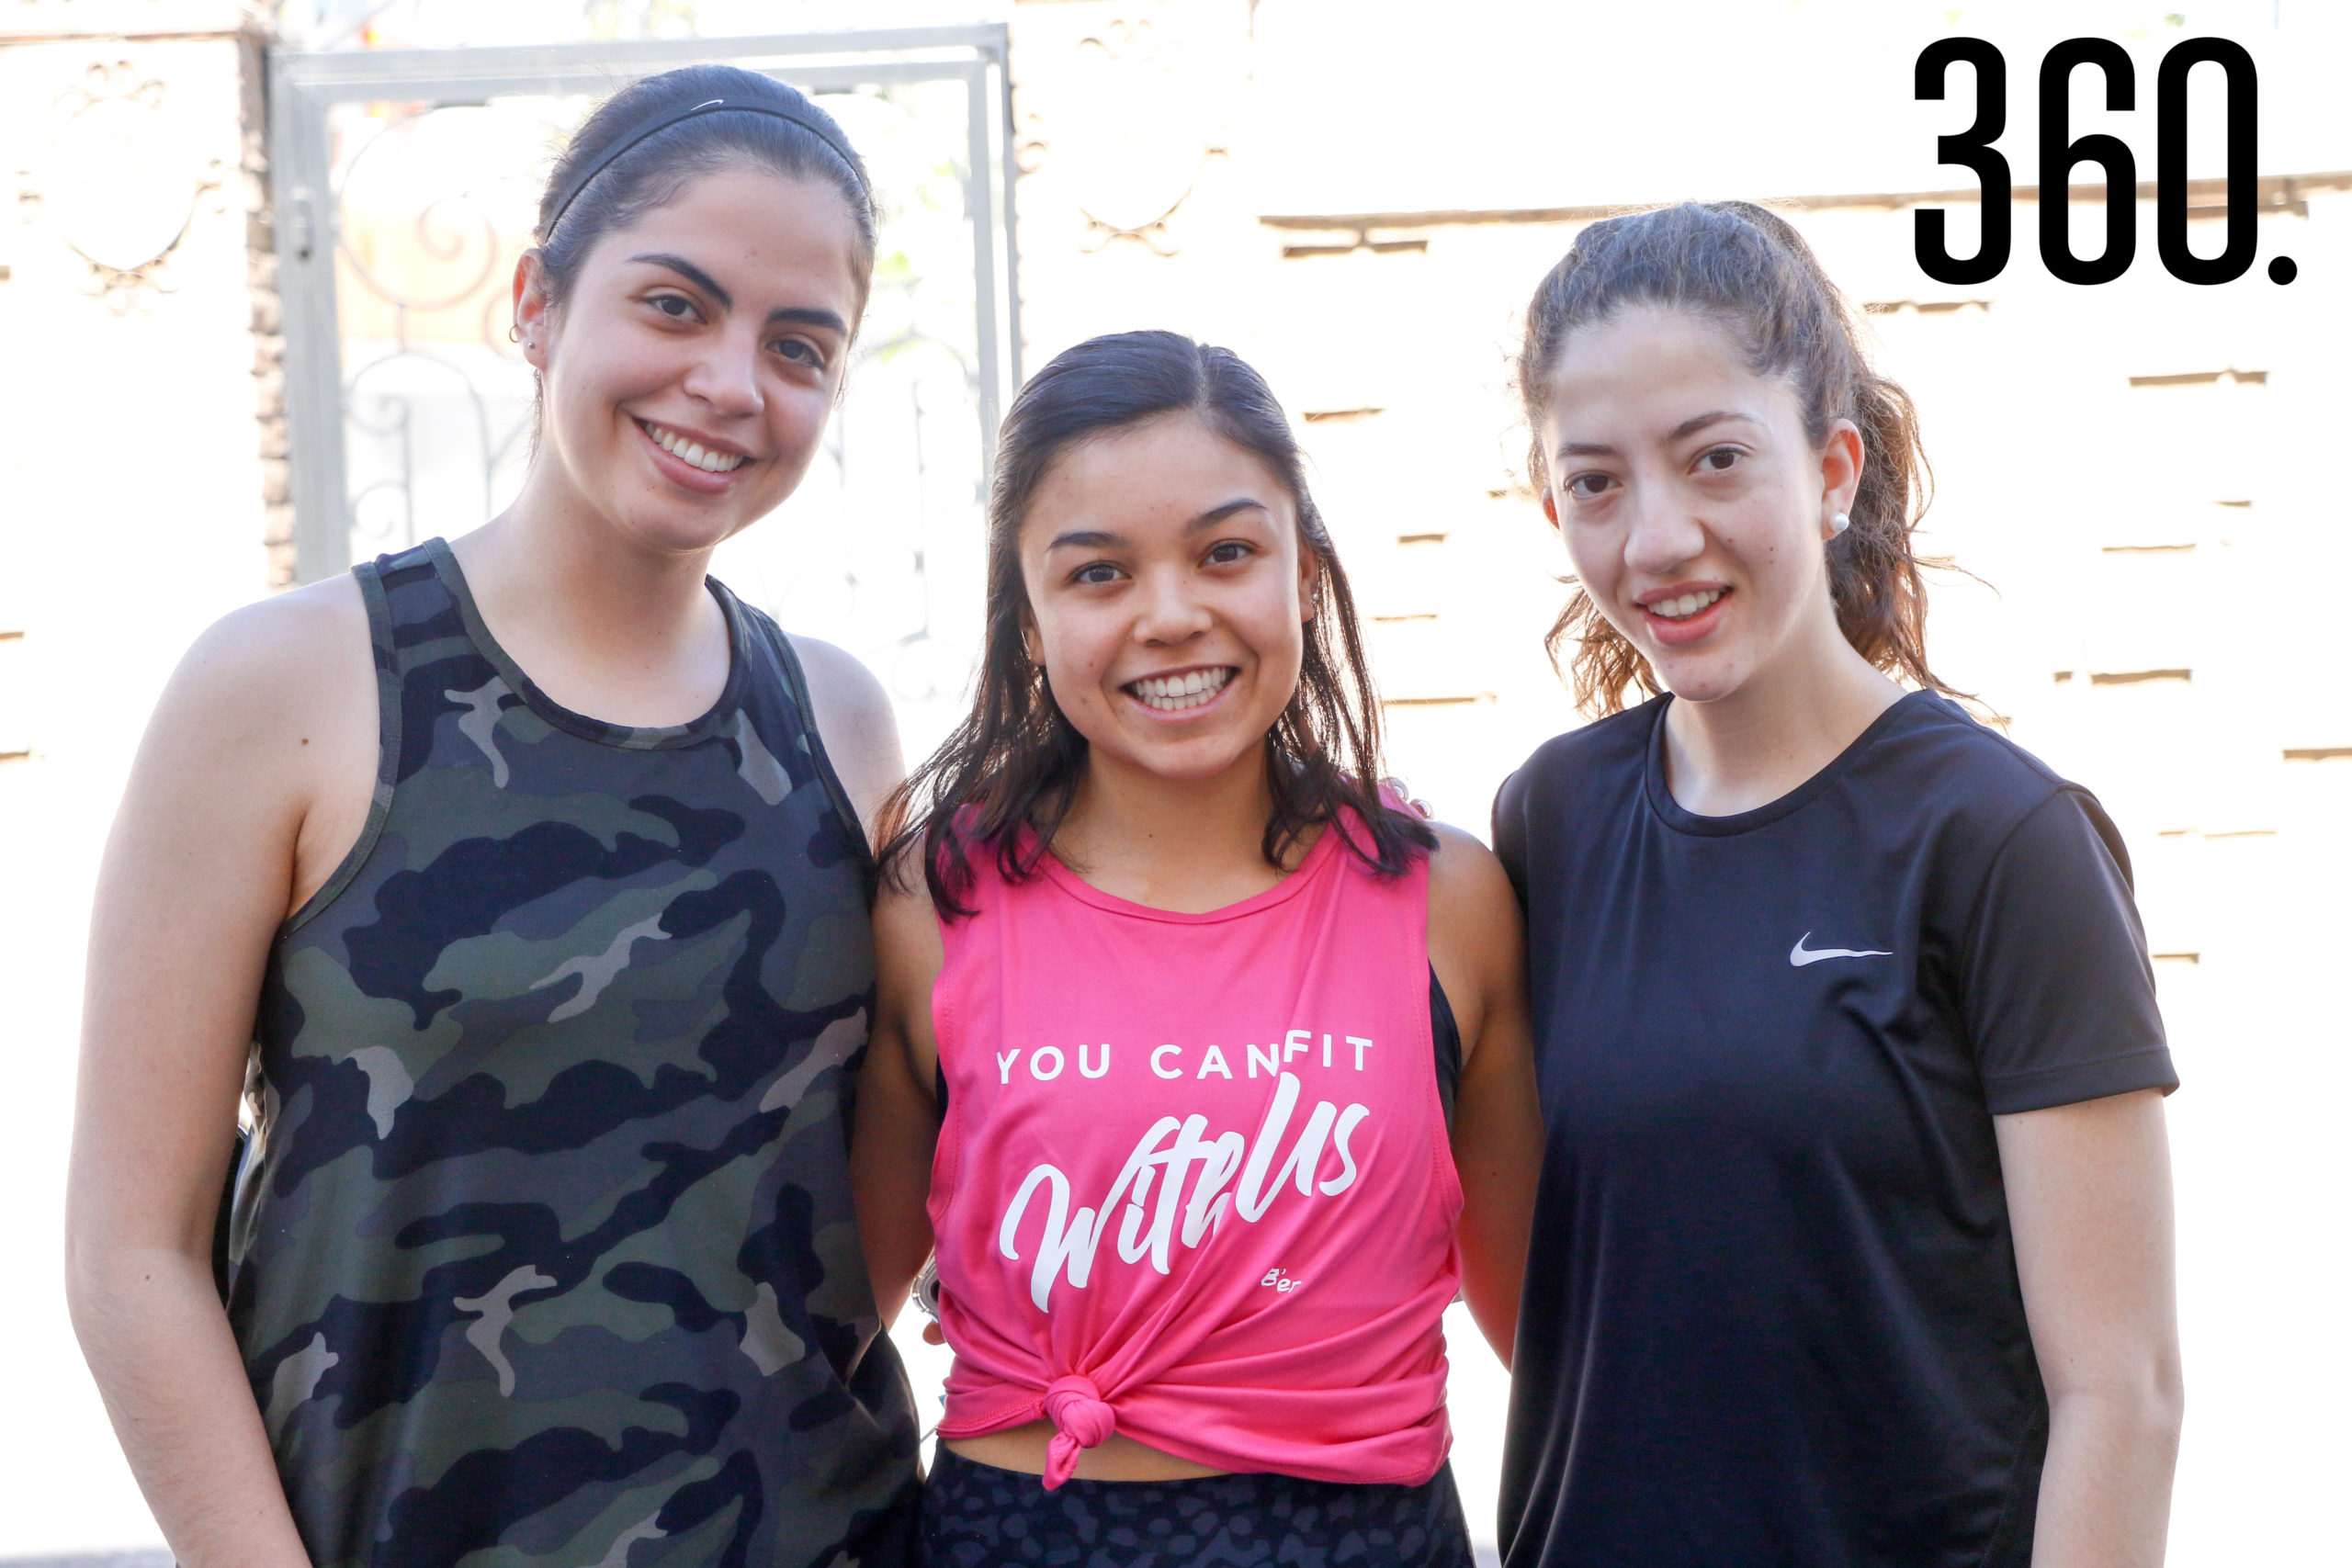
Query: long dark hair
[[1737, 264], [1016, 760]]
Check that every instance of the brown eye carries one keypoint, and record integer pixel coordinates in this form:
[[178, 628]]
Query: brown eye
[[1720, 459]]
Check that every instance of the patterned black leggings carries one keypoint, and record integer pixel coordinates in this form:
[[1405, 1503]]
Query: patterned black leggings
[[976, 1515]]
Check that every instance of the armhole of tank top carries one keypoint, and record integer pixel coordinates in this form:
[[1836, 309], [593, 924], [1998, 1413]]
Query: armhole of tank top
[[388, 749], [1445, 1063], [796, 681], [1445, 1047]]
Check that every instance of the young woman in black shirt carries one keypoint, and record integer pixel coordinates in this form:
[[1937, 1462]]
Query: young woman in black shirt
[[1854, 1243]]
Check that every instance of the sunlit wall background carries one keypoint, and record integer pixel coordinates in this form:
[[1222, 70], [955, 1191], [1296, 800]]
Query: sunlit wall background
[[1359, 196]]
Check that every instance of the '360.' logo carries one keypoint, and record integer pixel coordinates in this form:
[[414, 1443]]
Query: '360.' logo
[[1973, 149]]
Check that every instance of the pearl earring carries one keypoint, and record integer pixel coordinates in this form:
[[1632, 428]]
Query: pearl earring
[[1839, 522]]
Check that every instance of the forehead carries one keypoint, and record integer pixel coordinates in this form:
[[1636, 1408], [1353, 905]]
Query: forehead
[[1164, 472], [1647, 362], [751, 229]]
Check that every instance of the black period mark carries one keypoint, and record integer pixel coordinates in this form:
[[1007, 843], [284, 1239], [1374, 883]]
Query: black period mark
[[2057, 155]]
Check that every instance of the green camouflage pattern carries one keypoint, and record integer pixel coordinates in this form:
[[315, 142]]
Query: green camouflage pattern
[[543, 1253]]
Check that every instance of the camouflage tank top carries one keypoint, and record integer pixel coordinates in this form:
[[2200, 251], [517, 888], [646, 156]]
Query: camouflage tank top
[[542, 1251]]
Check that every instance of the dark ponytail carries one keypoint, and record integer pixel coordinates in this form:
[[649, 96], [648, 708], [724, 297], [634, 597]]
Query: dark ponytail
[[1745, 268]]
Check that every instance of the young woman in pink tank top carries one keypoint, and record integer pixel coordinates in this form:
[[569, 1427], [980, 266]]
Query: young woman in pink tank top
[[1175, 1010]]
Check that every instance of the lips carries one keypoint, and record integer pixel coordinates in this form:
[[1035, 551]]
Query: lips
[[688, 462], [1180, 691], [1683, 618]]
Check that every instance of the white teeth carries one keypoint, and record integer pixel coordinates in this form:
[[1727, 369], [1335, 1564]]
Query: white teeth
[[1689, 604], [1175, 693], [693, 452]]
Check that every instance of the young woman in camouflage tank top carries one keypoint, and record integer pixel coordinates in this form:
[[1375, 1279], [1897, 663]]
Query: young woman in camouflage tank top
[[528, 873]]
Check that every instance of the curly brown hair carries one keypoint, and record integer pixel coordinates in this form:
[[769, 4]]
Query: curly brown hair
[[1745, 268]]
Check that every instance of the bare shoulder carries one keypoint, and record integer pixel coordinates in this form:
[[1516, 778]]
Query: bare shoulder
[[906, 927], [1476, 945], [853, 717], [841, 685], [259, 762], [299, 659], [909, 955], [1474, 939], [1467, 878]]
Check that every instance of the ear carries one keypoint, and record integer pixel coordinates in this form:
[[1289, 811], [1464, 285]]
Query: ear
[[1031, 644], [534, 316], [1310, 578], [1842, 457], [1551, 510]]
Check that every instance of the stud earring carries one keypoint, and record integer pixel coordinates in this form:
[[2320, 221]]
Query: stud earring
[[1839, 522]]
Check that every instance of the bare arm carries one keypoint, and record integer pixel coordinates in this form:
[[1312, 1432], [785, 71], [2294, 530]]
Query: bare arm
[[1478, 951], [2090, 1204], [860, 732], [260, 756], [897, 1112]]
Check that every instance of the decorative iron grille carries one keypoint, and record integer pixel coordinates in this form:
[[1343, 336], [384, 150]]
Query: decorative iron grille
[[405, 188]]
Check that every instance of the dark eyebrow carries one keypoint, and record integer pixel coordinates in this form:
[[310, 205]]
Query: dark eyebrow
[[1697, 422], [1097, 538], [807, 316], [692, 274], [800, 315], [1690, 426], [1217, 514]]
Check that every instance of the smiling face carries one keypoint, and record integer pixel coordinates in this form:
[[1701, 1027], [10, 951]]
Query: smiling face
[[1167, 597], [1693, 505], [688, 372]]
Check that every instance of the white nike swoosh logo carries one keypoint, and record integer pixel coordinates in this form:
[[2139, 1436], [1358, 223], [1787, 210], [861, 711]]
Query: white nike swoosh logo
[[1799, 957]]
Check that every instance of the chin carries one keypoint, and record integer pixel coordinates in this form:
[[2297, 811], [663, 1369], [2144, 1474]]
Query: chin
[[1192, 761], [665, 530], [1698, 679]]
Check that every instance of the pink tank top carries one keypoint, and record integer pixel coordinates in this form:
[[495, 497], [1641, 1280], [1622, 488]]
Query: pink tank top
[[1194, 1183]]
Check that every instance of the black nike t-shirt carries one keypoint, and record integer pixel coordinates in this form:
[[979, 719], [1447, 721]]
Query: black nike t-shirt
[[1772, 1312]]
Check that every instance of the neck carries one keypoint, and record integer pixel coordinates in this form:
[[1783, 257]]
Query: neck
[[604, 625], [1190, 845], [1784, 724]]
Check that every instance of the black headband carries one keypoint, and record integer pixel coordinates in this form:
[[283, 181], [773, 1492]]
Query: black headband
[[808, 117]]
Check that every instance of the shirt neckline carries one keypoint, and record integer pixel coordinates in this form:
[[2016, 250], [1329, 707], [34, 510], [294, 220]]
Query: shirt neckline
[[1326, 845], [1681, 819], [627, 738]]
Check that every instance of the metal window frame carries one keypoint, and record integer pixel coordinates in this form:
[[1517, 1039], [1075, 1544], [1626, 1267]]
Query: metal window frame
[[303, 87]]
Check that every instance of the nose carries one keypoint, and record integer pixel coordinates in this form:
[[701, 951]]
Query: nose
[[1664, 534], [1171, 612], [725, 376]]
